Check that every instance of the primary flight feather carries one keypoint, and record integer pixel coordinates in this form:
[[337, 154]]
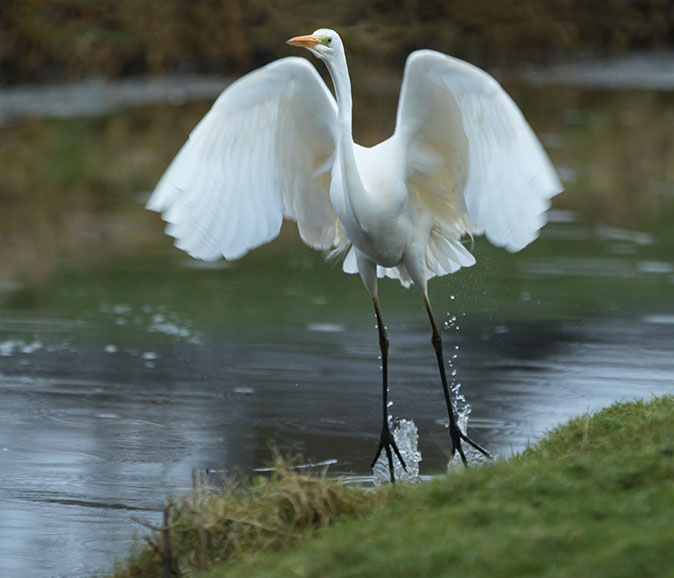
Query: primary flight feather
[[276, 144]]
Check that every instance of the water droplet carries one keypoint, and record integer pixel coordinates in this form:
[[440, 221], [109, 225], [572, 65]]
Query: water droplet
[[389, 404], [244, 390], [406, 436]]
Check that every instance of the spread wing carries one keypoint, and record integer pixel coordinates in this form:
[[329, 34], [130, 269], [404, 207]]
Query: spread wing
[[472, 160], [263, 152]]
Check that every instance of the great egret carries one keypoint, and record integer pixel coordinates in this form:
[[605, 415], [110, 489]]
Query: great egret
[[275, 145]]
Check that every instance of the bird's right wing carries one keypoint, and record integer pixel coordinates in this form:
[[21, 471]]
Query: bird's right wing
[[263, 152]]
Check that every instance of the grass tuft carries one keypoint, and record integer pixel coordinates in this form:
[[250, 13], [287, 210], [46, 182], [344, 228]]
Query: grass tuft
[[215, 525]]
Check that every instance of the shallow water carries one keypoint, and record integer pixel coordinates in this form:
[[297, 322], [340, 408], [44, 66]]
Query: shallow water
[[124, 365]]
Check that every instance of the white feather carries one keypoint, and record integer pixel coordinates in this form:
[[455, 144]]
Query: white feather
[[259, 155], [472, 159]]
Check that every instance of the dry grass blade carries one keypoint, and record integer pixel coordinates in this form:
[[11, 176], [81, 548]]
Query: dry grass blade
[[212, 525]]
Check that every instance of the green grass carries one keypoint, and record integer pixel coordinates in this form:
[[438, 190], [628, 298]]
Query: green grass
[[594, 498]]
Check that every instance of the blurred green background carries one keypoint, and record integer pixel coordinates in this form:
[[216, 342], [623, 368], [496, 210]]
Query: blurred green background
[[75, 38], [75, 185]]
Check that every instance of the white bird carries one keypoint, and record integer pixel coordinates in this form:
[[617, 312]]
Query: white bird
[[276, 144]]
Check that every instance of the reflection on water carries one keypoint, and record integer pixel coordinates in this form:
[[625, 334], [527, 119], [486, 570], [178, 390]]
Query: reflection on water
[[124, 366], [632, 71], [97, 97]]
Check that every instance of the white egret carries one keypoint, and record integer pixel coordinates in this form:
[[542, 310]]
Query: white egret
[[276, 144]]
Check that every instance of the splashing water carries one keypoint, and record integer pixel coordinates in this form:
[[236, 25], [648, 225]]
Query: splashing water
[[406, 437], [462, 411], [462, 408]]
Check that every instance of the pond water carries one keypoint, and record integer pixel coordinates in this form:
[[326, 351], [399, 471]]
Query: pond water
[[124, 365]]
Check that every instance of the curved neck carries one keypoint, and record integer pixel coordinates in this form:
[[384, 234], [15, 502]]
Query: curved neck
[[355, 191], [339, 73]]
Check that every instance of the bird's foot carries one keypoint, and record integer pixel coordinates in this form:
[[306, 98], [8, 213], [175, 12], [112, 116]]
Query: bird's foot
[[386, 442], [457, 436]]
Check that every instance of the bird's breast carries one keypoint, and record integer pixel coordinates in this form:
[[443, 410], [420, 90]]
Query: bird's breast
[[382, 233]]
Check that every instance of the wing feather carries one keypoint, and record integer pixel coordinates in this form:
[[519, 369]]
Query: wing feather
[[263, 152], [472, 160]]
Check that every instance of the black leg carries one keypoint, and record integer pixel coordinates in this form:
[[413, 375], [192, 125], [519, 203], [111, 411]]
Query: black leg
[[454, 431], [386, 441]]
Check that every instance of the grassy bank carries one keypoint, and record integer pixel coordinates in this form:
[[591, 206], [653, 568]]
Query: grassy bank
[[594, 498]]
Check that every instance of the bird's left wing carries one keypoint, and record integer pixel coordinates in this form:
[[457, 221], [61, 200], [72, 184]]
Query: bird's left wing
[[263, 152], [471, 157]]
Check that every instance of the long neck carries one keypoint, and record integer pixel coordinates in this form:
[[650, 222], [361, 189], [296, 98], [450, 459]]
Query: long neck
[[340, 78], [355, 191]]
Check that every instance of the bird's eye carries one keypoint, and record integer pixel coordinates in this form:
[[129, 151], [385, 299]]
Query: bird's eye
[[328, 40]]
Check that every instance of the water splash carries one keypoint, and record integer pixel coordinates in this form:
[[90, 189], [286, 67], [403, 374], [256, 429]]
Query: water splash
[[406, 437], [462, 408], [462, 411]]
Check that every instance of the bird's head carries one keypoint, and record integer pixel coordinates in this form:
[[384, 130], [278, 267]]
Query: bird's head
[[322, 43]]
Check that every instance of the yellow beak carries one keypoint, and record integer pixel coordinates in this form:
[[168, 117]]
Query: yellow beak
[[308, 41]]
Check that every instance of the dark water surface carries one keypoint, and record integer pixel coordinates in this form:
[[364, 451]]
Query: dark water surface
[[124, 366]]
